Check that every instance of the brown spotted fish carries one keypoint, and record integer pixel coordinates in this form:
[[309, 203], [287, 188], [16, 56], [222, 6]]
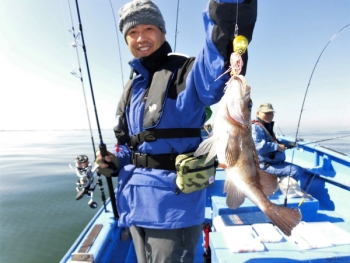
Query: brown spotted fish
[[231, 141]]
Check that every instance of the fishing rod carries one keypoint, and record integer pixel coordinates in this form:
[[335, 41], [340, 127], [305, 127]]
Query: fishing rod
[[102, 146], [328, 139], [83, 168], [312, 73], [307, 88]]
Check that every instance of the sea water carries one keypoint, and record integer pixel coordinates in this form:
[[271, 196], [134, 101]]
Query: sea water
[[39, 216]]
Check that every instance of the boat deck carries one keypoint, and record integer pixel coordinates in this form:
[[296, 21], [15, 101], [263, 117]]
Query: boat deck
[[323, 235], [285, 250]]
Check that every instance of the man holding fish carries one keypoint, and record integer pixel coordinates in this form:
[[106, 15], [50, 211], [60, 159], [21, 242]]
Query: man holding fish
[[160, 116]]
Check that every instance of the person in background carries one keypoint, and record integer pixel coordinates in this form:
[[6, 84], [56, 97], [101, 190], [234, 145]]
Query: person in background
[[270, 151], [159, 116]]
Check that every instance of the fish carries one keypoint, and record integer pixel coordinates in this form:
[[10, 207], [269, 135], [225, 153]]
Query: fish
[[232, 143]]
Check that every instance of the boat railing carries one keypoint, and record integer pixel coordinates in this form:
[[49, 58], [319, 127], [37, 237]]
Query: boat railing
[[320, 160]]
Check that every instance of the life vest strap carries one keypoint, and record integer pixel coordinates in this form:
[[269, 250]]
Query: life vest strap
[[153, 135], [158, 161]]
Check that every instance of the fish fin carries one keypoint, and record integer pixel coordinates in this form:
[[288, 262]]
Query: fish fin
[[269, 182], [255, 155], [283, 217], [232, 153], [234, 196], [207, 146]]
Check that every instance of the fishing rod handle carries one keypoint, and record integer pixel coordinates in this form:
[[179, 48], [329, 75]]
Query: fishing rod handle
[[104, 153]]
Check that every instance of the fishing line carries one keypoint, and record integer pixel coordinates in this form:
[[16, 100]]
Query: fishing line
[[116, 31], [177, 17], [103, 197], [307, 188], [236, 25], [102, 146], [307, 88], [279, 129]]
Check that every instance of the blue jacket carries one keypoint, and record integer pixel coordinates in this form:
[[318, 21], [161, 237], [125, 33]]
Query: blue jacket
[[147, 197], [266, 146]]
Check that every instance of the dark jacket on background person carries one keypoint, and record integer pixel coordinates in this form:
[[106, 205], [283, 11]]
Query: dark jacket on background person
[[266, 143]]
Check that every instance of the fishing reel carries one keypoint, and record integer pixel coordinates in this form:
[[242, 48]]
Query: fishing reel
[[85, 181]]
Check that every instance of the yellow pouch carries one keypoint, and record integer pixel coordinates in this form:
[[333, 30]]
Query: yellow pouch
[[192, 174]]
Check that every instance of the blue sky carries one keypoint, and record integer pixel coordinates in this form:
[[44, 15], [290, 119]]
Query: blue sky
[[36, 58]]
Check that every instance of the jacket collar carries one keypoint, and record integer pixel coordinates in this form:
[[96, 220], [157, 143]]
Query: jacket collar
[[152, 61], [268, 126]]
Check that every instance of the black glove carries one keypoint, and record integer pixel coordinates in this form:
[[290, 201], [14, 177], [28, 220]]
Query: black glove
[[112, 165], [291, 145]]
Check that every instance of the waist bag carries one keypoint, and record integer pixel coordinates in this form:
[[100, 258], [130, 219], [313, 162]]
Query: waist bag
[[192, 174]]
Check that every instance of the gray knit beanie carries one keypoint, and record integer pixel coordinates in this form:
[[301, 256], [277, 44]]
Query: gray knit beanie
[[140, 12]]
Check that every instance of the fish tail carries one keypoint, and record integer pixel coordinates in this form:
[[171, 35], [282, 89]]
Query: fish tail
[[283, 217]]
